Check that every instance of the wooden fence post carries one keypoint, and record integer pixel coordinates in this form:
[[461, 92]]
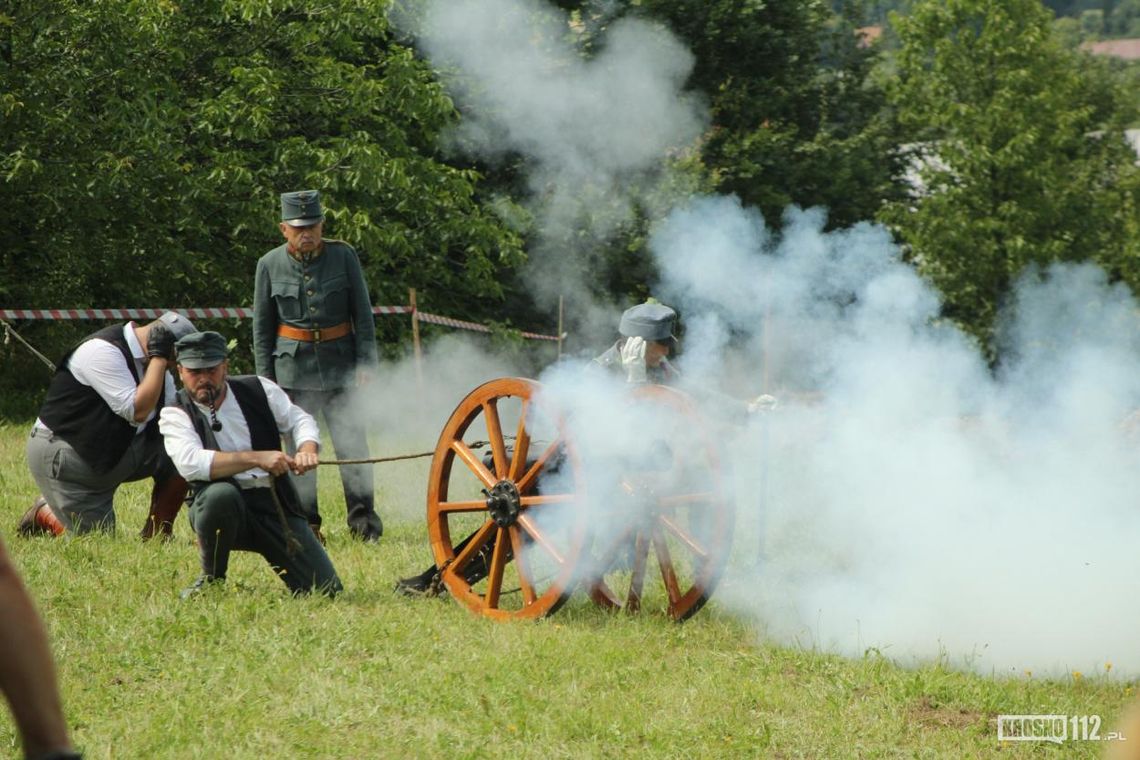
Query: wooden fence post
[[762, 500], [559, 327], [418, 351]]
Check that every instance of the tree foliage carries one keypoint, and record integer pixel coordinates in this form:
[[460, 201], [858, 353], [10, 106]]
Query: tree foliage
[[798, 115], [145, 142], [1019, 152]]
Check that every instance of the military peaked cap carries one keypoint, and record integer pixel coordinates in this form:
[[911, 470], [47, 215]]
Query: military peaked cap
[[651, 321], [301, 208]]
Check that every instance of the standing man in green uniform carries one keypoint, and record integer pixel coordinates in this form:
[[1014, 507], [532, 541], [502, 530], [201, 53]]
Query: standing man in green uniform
[[313, 334]]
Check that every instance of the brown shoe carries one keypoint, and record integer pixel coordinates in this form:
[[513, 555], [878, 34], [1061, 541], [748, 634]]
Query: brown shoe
[[39, 520], [165, 502]]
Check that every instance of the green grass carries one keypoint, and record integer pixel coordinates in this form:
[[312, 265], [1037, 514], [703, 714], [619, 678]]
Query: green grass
[[247, 672]]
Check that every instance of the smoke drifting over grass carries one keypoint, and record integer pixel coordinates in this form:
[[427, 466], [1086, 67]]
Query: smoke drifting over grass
[[903, 496], [910, 500], [451, 366]]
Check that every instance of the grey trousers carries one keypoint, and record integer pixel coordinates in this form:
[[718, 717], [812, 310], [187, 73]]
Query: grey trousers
[[227, 518], [82, 498], [350, 441]]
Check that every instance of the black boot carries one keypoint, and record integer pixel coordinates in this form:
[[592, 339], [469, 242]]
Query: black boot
[[364, 523], [425, 584]]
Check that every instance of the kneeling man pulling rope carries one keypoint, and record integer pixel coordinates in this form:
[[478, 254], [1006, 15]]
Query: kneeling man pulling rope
[[224, 436]]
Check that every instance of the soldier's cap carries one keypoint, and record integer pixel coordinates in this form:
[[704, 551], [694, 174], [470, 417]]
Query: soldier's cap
[[301, 208], [651, 321], [178, 324], [201, 350]]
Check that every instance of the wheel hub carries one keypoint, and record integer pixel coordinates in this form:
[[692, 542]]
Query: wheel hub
[[503, 503]]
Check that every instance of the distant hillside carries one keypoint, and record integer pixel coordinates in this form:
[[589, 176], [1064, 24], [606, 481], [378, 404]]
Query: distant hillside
[[1099, 18]]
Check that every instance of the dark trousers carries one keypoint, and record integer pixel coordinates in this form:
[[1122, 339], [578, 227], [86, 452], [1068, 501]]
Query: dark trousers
[[82, 498], [228, 518], [350, 441]]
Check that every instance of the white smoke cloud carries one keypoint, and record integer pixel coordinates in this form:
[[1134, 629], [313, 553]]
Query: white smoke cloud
[[595, 130], [912, 501], [902, 496], [408, 402]]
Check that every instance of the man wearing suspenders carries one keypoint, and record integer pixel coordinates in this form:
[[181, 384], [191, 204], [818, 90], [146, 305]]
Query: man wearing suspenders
[[98, 429], [224, 436]]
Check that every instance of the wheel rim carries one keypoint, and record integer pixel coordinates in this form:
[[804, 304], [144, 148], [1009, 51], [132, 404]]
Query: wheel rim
[[526, 538], [670, 540]]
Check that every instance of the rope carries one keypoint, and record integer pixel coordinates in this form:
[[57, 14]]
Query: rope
[[10, 332], [292, 545], [476, 445], [376, 459]]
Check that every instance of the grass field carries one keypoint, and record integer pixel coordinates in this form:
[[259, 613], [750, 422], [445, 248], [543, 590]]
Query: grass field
[[249, 672]]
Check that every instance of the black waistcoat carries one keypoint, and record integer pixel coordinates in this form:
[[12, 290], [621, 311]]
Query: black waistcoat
[[263, 433], [77, 414], [254, 405]]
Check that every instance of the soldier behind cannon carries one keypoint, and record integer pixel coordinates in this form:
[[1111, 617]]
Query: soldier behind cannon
[[640, 356]]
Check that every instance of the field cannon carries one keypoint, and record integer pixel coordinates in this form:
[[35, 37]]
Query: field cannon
[[554, 503]]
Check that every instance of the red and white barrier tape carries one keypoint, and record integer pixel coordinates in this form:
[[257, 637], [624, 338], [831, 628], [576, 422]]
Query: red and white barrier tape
[[423, 316], [229, 312], [435, 319], [221, 312], [537, 336]]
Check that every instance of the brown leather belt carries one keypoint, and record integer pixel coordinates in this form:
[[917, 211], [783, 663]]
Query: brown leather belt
[[320, 335]]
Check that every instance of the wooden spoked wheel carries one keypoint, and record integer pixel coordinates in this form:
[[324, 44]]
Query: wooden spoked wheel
[[508, 546], [669, 532]]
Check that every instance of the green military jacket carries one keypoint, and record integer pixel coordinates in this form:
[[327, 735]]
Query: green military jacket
[[318, 292]]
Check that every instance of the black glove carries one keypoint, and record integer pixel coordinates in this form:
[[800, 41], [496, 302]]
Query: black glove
[[160, 342]]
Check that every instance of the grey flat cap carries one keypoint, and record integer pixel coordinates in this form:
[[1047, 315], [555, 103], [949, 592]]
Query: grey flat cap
[[651, 321], [200, 350], [178, 324]]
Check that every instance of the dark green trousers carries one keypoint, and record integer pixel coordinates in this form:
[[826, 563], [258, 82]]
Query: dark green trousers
[[228, 518]]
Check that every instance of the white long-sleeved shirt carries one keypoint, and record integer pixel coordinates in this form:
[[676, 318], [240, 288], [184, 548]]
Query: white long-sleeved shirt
[[194, 462], [100, 366]]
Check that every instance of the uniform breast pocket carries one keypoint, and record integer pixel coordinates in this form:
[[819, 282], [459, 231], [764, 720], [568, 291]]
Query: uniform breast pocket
[[337, 297], [287, 297]]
